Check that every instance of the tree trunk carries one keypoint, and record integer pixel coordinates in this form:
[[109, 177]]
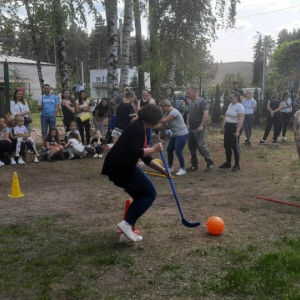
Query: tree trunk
[[36, 50], [153, 30], [61, 46], [139, 45], [111, 7], [126, 43], [172, 70]]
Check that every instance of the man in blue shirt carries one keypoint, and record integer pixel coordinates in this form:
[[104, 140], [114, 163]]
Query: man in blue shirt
[[48, 104]]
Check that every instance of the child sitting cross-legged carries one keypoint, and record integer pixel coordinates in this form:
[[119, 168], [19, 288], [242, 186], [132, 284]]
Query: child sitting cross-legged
[[21, 133], [97, 144], [74, 146], [54, 148]]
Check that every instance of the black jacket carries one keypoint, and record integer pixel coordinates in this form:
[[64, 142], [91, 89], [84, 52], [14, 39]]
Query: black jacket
[[123, 157]]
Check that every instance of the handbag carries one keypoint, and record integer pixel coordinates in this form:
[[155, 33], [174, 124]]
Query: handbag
[[27, 120], [85, 117]]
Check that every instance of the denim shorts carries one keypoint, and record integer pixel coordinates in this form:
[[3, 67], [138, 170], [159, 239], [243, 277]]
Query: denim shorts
[[47, 122]]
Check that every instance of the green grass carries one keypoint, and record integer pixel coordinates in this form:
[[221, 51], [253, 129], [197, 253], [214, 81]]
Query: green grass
[[45, 261]]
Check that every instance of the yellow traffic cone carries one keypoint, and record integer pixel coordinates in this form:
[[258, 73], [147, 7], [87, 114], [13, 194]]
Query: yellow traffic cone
[[15, 188]]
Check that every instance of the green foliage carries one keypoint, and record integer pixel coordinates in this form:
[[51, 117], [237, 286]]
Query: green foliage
[[216, 115], [258, 58], [134, 83], [285, 36]]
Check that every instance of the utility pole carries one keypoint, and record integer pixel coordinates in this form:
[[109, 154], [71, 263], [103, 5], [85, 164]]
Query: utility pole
[[263, 89]]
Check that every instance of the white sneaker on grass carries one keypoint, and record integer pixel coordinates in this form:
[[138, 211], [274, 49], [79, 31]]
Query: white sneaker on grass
[[96, 155], [127, 230], [35, 159], [181, 172], [100, 155], [21, 161], [125, 240], [1, 163], [12, 161], [71, 155]]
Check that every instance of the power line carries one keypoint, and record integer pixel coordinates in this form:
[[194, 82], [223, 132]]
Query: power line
[[268, 12]]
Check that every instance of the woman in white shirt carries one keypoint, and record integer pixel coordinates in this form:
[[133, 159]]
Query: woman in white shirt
[[231, 129], [250, 107], [285, 114], [82, 106], [19, 107]]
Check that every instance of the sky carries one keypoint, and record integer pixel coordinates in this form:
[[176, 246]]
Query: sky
[[237, 44]]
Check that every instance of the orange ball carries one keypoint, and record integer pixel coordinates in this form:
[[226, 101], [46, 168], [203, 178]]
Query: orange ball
[[215, 225]]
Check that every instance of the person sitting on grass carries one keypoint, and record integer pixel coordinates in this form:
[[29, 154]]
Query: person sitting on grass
[[21, 133], [53, 146], [120, 167], [73, 128], [5, 144], [74, 146], [97, 144]]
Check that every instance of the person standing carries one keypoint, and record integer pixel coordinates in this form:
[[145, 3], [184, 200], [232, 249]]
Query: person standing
[[82, 106], [196, 120], [231, 129], [250, 106], [124, 115], [174, 120], [296, 129], [68, 109], [274, 106], [48, 105], [297, 101], [100, 114], [19, 107], [285, 114]]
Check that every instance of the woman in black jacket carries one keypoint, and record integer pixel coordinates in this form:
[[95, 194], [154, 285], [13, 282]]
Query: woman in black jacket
[[120, 166]]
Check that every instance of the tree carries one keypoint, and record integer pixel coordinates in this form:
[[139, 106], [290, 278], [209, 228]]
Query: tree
[[285, 36], [126, 43], [111, 7], [258, 60], [134, 84], [216, 115]]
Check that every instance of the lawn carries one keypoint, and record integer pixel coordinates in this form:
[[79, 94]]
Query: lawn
[[60, 240]]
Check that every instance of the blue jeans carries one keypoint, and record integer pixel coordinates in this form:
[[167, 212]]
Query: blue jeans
[[143, 193], [176, 143], [47, 122]]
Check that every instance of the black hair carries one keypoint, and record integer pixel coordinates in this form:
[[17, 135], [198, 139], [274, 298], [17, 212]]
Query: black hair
[[62, 93], [235, 82], [104, 109], [46, 85], [79, 97], [15, 96], [56, 137], [151, 114]]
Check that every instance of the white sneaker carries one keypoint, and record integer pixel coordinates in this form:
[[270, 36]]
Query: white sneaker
[[71, 155], [1, 163], [96, 155], [127, 230], [21, 161], [125, 240], [181, 172], [35, 159], [284, 139], [12, 161], [100, 155], [171, 169]]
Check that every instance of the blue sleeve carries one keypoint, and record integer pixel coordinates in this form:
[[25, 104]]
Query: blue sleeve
[[56, 100]]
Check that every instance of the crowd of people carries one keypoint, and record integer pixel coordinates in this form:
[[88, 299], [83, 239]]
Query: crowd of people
[[122, 110]]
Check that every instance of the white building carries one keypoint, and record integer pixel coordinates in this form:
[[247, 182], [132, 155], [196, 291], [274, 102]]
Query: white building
[[27, 70], [98, 81]]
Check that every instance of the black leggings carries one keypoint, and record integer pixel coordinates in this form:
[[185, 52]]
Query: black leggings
[[270, 121], [84, 126], [5, 147], [284, 122], [231, 143]]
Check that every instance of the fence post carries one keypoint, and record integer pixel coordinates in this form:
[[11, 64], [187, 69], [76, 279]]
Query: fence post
[[6, 86]]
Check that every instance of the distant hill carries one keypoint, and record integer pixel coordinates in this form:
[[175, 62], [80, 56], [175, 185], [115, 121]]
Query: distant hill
[[244, 67]]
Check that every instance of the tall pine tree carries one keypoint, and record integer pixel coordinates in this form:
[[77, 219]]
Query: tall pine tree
[[258, 63]]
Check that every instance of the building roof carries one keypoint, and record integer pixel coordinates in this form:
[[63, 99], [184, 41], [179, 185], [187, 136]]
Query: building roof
[[20, 60]]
